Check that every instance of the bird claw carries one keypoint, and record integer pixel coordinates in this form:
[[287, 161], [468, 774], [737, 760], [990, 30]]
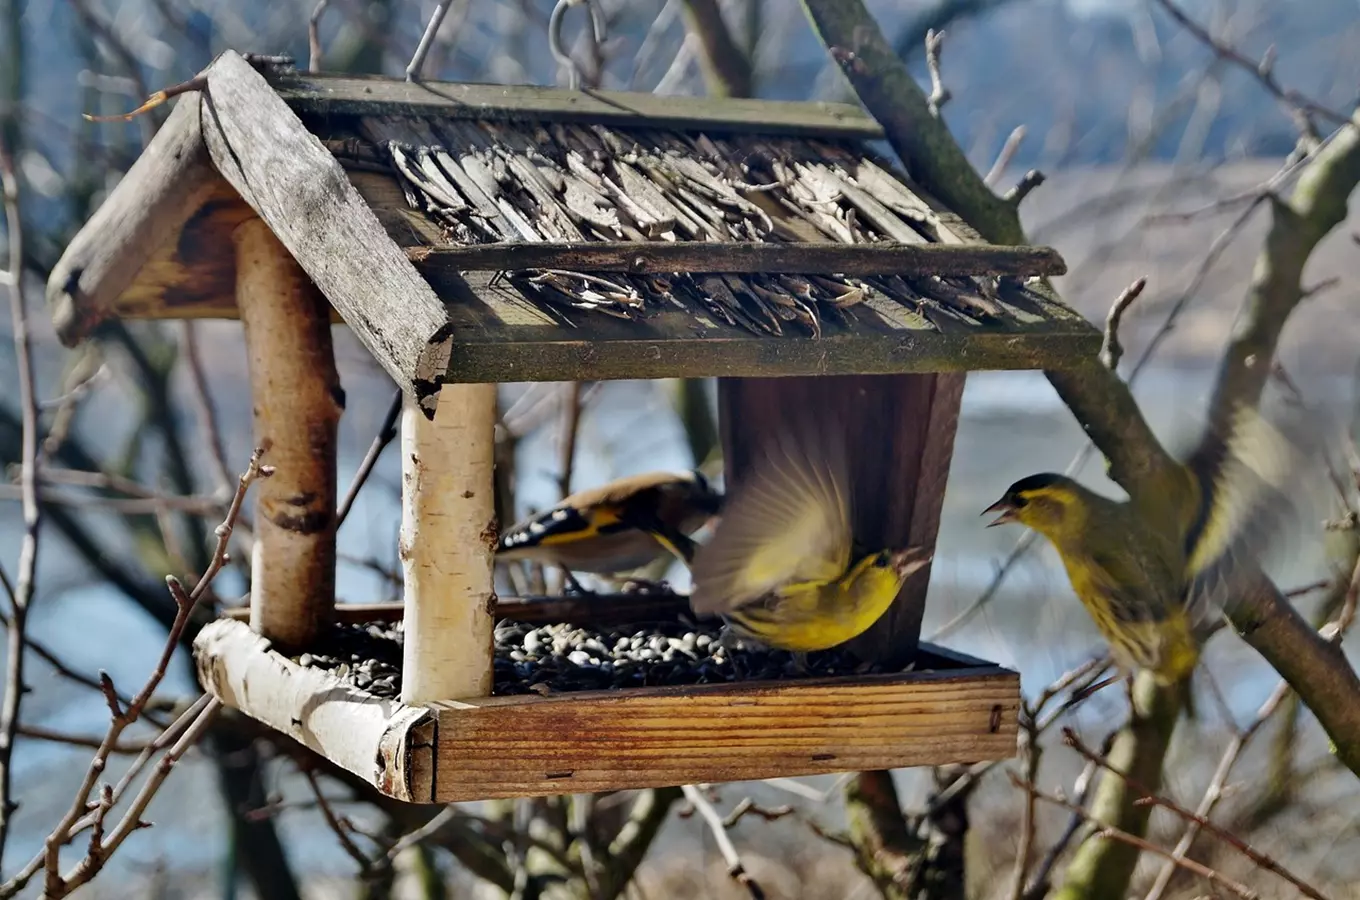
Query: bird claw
[[643, 586], [572, 587]]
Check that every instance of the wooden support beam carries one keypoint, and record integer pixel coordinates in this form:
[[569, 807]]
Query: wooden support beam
[[810, 258], [448, 542], [368, 736], [310, 93], [296, 402]]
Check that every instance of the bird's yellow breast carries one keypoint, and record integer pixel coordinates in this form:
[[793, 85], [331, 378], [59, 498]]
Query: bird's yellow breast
[[808, 617]]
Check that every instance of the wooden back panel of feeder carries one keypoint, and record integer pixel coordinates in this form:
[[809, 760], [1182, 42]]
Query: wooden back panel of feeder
[[901, 437]]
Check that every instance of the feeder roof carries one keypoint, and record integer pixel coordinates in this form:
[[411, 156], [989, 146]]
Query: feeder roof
[[488, 233]]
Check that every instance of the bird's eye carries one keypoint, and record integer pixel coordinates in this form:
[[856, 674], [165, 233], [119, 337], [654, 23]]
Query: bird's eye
[[881, 561], [1019, 501]]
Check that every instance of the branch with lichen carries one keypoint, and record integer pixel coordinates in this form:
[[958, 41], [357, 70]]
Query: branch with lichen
[[1098, 399]]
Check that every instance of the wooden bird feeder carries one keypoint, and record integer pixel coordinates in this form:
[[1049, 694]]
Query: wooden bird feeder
[[476, 234]]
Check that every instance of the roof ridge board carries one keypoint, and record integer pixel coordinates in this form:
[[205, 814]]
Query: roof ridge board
[[321, 93]]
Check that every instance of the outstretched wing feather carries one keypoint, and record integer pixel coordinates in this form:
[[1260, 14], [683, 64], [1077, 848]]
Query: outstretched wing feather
[[788, 522]]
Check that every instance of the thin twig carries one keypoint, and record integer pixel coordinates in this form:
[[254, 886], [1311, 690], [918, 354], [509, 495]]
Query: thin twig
[[202, 400], [128, 506], [124, 715], [748, 807], [51, 735], [725, 846], [939, 94], [1028, 182], [132, 821], [67, 404], [1151, 797], [25, 581], [1043, 873], [337, 825], [314, 35], [1033, 757], [1112, 833], [387, 431], [1214, 792], [423, 833], [1263, 70], [1003, 159], [1111, 351], [427, 41], [571, 426]]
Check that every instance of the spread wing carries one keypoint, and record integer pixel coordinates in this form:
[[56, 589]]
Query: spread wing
[[1254, 481], [789, 521]]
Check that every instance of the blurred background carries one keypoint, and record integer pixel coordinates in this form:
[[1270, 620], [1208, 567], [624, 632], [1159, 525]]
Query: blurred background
[[1142, 132]]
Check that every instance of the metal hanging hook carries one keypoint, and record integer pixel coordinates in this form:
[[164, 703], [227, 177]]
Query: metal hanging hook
[[597, 34]]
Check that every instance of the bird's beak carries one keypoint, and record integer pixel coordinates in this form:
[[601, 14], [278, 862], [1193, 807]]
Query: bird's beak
[[1006, 510], [908, 561]]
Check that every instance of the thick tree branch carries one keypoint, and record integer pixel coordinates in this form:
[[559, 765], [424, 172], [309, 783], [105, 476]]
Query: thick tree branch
[[885, 848], [726, 67], [892, 96], [1102, 866], [1098, 399]]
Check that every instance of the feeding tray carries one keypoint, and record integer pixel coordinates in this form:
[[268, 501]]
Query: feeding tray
[[545, 730], [470, 235]]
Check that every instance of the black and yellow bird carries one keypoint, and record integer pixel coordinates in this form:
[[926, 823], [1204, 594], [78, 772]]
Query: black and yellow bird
[[1157, 575], [617, 527], [783, 566]]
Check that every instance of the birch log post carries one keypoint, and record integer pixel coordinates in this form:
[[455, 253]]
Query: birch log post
[[296, 403], [448, 541]]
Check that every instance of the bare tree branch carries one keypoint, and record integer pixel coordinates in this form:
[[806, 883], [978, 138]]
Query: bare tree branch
[[726, 66], [85, 814], [1110, 349], [314, 35], [735, 868], [1098, 399], [417, 62], [1263, 69], [1137, 844], [1152, 798], [21, 590]]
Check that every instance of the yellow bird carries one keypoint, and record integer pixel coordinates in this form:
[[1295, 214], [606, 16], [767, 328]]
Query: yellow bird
[[1156, 577], [617, 527], [782, 567]]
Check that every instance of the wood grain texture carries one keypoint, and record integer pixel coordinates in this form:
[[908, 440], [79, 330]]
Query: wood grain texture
[[659, 737], [335, 95], [960, 711], [295, 404], [447, 545], [287, 176], [499, 336], [887, 418], [357, 731], [142, 218], [802, 258]]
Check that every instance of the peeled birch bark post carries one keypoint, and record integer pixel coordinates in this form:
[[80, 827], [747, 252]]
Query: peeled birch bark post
[[448, 542], [296, 403]]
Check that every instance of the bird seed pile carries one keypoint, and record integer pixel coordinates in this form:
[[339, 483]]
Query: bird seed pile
[[488, 182], [559, 658]]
